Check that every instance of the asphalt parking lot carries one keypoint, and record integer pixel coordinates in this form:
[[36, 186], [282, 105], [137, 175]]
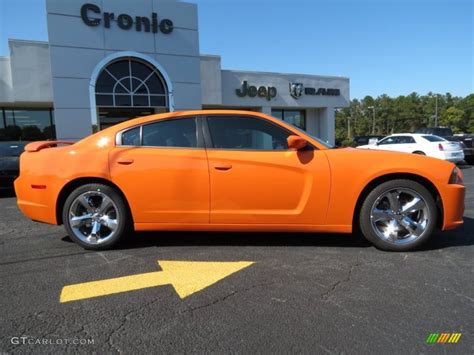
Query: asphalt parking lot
[[303, 293]]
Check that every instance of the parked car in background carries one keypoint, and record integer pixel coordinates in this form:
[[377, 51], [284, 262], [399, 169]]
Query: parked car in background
[[466, 141], [9, 162], [423, 144], [447, 133], [437, 131], [364, 140]]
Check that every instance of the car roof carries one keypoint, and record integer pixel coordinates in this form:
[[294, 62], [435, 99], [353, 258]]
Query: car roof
[[183, 114], [411, 134]]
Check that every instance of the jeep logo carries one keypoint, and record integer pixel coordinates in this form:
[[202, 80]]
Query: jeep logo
[[268, 92], [91, 16]]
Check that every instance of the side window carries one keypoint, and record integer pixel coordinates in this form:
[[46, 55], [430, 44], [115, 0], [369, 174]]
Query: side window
[[406, 140], [171, 133], [131, 137], [239, 132], [389, 140]]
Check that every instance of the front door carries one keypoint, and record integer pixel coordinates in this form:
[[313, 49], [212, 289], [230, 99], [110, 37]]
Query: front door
[[163, 171], [255, 179]]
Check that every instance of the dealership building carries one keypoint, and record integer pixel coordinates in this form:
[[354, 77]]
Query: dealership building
[[111, 60]]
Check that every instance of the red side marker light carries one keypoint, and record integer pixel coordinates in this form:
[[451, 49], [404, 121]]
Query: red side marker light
[[39, 187]]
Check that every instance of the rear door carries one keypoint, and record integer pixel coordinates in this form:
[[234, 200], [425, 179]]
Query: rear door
[[406, 144], [256, 179], [162, 169]]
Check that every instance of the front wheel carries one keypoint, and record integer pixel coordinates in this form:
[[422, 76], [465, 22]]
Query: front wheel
[[95, 216], [398, 215]]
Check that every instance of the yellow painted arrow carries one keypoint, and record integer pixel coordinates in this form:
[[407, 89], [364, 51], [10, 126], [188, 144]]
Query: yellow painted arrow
[[187, 277]]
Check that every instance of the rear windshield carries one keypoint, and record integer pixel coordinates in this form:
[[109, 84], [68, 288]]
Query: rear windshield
[[11, 149], [434, 138]]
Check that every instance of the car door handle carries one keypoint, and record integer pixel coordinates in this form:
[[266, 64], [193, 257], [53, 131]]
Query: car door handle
[[223, 167], [123, 161]]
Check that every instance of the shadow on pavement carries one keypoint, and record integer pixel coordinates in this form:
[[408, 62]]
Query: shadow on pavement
[[7, 193], [463, 236], [180, 239]]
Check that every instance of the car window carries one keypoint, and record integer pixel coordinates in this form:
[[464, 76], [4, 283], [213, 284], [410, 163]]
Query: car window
[[405, 140], [237, 132], [389, 140], [171, 133], [442, 132], [131, 137], [432, 138]]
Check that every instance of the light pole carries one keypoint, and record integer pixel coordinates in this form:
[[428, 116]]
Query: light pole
[[436, 109], [373, 118]]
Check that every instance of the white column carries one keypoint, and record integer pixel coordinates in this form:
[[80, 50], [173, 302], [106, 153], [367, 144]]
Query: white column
[[327, 123], [312, 122], [267, 110]]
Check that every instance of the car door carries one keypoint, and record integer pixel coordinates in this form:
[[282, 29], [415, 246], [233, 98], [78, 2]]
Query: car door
[[162, 169], [256, 179], [388, 143], [406, 144]]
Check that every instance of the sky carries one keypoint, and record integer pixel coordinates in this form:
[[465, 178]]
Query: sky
[[391, 47]]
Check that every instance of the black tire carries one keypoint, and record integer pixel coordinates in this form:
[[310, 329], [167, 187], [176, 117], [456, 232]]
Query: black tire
[[369, 230], [419, 152], [119, 209]]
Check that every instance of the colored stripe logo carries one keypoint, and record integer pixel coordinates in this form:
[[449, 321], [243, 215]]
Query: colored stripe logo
[[443, 338]]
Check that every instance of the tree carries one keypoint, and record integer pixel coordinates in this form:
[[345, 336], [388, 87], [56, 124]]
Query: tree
[[404, 114], [454, 118]]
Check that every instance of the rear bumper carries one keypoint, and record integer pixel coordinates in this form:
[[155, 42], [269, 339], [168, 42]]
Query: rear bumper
[[453, 205], [454, 156], [37, 204]]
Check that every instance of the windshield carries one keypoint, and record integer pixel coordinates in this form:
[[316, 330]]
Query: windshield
[[433, 138], [11, 149]]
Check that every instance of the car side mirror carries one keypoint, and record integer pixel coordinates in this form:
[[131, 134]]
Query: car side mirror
[[296, 142]]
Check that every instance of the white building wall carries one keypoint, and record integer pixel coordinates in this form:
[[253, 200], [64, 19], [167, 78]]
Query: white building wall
[[312, 121], [76, 50], [6, 88], [30, 71], [327, 124], [211, 81]]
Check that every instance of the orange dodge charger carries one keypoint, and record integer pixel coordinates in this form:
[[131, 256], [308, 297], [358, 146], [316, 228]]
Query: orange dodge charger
[[233, 171]]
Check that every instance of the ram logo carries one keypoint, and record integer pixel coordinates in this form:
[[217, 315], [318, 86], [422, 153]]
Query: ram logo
[[296, 90]]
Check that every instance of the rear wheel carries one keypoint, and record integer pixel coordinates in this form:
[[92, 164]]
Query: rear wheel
[[95, 216], [398, 215]]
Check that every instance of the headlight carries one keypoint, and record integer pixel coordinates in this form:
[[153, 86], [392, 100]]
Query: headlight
[[456, 176]]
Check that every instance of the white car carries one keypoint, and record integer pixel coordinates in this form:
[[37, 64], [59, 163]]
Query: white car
[[418, 143]]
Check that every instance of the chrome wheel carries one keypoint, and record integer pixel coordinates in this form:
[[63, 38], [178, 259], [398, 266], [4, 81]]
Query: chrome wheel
[[93, 217], [400, 216]]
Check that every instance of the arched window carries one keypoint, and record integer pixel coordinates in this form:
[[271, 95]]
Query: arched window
[[129, 82]]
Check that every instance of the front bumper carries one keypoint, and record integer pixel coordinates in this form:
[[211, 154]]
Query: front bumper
[[453, 205]]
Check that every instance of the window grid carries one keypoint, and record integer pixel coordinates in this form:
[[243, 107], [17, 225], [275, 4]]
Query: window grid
[[152, 90]]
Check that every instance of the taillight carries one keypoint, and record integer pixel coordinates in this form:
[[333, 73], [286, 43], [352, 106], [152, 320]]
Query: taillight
[[456, 176], [440, 146]]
